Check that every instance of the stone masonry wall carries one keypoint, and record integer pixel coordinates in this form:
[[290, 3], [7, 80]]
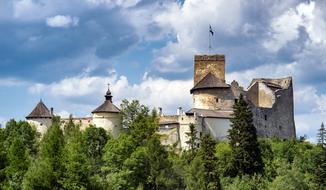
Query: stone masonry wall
[[204, 64], [277, 121]]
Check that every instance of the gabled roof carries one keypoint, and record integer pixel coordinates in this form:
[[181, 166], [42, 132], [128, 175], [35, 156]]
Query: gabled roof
[[40, 111], [107, 107], [209, 81], [210, 113]]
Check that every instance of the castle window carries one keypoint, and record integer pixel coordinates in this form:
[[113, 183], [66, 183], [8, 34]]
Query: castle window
[[236, 100], [216, 99], [265, 116]]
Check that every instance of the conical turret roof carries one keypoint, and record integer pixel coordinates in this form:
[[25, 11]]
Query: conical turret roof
[[107, 106], [208, 82], [40, 111]]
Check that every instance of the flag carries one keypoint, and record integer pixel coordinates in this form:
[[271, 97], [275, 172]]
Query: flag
[[211, 30]]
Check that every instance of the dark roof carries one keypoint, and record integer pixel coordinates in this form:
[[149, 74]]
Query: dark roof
[[40, 111], [210, 113], [209, 81], [168, 122], [107, 107], [273, 85]]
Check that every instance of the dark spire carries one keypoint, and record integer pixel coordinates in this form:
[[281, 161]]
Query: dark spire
[[108, 95]]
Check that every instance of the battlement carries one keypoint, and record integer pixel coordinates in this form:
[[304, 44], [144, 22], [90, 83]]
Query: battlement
[[216, 57]]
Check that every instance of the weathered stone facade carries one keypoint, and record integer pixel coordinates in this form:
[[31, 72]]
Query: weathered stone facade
[[272, 107], [271, 101]]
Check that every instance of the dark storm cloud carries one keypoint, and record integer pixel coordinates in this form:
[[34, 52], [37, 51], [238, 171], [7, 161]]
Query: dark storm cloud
[[26, 48]]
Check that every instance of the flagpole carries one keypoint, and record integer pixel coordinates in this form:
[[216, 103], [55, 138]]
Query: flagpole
[[209, 40]]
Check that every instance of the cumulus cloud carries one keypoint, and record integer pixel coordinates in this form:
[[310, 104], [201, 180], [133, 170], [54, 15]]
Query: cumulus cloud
[[113, 3], [11, 82], [89, 90], [62, 21]]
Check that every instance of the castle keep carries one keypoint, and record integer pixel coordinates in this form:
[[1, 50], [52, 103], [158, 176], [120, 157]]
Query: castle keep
[[271, 102]]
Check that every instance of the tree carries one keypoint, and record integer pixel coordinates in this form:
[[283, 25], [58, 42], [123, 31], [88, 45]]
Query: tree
[[321, 136], [46, 171], [94, 140], [18, 163], [70, 128], [207, 153], [159, 164], [74, 161], [246, 156], [203, 171], [26, 133], [320, 169], [3, 155], [192, 140], [140, 123]]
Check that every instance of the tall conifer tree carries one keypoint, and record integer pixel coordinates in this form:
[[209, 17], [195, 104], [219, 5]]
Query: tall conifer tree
[[246, 155]]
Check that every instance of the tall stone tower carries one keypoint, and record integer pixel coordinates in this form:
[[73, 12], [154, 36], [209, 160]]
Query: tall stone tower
[[210, 90], [107, 115], [214, 64]]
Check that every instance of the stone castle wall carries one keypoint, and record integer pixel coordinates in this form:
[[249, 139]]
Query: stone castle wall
[[278, 120]]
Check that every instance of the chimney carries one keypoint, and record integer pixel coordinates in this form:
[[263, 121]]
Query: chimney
[[179, 111], [160, 112], [51, 111]]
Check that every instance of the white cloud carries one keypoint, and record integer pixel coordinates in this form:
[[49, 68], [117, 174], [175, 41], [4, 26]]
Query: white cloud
[[11, 82], [186, 28], [25, 8], [285, 28], [63, 114], [244, 77], [153, 92], [308, 124], [2, 122], [62, 21], [113, 3]]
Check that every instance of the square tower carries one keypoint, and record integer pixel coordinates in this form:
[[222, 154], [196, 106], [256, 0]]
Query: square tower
[[214, 64]]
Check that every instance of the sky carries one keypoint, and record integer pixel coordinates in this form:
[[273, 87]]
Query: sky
[[66, 52]]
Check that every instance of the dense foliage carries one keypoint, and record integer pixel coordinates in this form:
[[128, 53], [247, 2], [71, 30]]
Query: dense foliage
[[68, 158]]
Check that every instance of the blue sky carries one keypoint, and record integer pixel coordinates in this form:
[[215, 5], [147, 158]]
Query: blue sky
[[65, 52]]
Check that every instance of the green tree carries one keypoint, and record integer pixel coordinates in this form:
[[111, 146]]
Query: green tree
[[203, 172], [223, 154], [94, 139], [26, 133], [246, 156], [159, 164], [3, 155], [69, 129], [18, 163], [192, 141], [74, 161], [320, 170], [321, 136], [46, 171], [140, 123]]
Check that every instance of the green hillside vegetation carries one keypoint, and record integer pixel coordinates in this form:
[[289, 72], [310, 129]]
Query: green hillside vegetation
[[67, 158]]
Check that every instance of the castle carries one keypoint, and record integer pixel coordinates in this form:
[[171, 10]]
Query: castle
[[271, 102]]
